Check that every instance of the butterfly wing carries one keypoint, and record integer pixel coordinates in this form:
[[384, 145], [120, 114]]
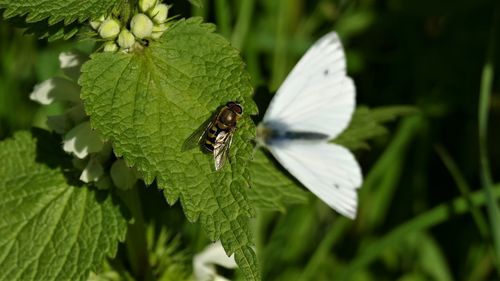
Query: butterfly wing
[[317, 96], [328, 170]]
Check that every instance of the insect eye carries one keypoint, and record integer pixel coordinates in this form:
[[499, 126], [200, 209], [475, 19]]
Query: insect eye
[[237, 108]]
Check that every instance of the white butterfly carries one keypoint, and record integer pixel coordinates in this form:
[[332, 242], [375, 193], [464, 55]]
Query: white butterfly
[[313, 106]]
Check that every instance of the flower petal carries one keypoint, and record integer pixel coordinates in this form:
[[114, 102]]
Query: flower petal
[[82, 140], [55, 89], [204, 262], [71, 63], [92, 172]]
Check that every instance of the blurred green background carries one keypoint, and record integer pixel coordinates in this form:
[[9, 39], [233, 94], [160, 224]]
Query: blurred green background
[[429, 54]]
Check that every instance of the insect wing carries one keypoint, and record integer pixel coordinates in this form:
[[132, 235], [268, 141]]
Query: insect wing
[[221, 148], [327, 170], [317, 95], [197, 136]]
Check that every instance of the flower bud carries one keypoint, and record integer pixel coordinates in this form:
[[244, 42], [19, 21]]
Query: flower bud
[[126, 39], [109, 29], [158, 30], [141, 26], [96, 23], [146, 5], [110, 47], [159, 13]]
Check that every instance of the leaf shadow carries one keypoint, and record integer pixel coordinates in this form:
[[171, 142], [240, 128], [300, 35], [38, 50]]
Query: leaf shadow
[[49, 152]]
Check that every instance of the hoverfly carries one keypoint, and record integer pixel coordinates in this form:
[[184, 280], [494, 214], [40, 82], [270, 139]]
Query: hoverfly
[[216, 137]]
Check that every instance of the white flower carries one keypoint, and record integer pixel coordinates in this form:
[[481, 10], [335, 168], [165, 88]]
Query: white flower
[[93, 171], [204, 263], [85, 144], [71, 63], [82, 140], [55, 89], [141, 26]]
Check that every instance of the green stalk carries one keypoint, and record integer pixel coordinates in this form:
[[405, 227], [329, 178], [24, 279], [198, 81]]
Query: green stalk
[[324, 248], [279, 66], [433, 217], [223, 17], [243, 24], [137, 249], [464, 189], [484, 104], [381, 182], [200, 11]]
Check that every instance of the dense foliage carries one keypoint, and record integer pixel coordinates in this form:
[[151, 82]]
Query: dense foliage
[[426, 88]]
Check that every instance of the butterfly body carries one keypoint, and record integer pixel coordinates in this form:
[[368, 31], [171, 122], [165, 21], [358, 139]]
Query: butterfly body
[[273, 134]]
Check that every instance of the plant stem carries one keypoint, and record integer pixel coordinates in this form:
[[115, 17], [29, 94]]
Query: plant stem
[[436, 215], [464, 188], [484, 104], [243, 24], [200, 11], [279, 66], [223, 17], [137, 249], [323, 249]]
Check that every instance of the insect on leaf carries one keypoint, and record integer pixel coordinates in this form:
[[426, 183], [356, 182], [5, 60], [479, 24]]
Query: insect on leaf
[[148, 103]]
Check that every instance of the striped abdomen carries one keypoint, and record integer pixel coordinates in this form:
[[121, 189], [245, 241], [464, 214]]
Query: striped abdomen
[[211, 136]]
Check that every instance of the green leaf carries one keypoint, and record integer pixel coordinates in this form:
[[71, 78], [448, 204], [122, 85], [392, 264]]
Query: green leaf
[[58, 10], [367, 123], [197, 3], [50, 229], [431, 258], [272, 189], [149, 102], [437, 215], [44, 30]]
